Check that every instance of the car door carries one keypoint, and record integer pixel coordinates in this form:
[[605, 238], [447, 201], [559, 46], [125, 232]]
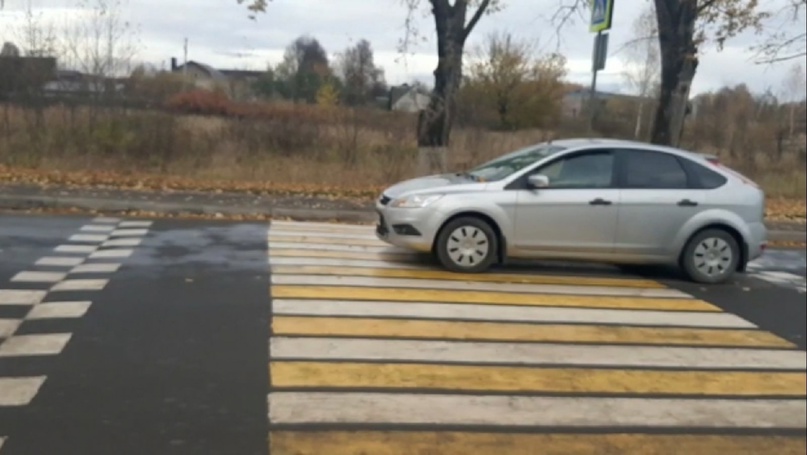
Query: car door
[[576, 214], [658, 198]]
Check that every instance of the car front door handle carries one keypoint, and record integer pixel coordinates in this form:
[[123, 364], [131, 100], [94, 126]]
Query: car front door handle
[[599, 201], [687, 203]]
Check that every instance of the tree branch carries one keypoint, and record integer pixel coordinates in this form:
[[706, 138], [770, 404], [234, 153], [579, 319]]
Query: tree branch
[[480, 11], [705, 4]]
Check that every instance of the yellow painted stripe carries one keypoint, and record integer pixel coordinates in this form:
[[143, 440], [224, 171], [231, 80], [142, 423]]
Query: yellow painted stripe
[[546, 380], [424, 329], [485, 297], [326, 240], [355, 255], [461, 443], [482, 277]]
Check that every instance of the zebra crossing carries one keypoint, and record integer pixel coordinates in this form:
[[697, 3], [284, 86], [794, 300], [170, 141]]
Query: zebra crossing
[[374, 350], [58, 287]]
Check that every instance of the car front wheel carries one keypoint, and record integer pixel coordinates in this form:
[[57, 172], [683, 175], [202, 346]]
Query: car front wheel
[[711, 256], [467, 245]]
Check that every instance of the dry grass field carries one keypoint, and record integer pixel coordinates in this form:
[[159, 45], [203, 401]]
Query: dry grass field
[[305, 150]]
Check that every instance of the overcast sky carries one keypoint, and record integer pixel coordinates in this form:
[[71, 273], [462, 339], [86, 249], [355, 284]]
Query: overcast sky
[[221, 34]]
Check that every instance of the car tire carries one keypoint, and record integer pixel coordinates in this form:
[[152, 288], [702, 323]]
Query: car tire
[[467, 245], [711, 256]]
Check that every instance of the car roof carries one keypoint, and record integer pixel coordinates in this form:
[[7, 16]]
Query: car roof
[[599, 141]]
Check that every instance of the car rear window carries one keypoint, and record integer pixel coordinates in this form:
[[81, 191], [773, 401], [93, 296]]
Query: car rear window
[[705, 177]]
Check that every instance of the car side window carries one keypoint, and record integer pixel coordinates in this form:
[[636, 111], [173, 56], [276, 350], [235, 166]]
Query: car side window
[[589, 170], [653, 170], [706, 178]]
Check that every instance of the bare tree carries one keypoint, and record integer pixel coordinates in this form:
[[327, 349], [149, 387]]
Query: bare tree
[[642, 73], [784, 43], [684, 26], [362, 78], [453, 26], [102, 43], [795, 90], [38, 37]]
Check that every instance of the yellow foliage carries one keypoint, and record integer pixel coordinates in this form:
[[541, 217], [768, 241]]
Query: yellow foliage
[[507, 83], [327, 95]]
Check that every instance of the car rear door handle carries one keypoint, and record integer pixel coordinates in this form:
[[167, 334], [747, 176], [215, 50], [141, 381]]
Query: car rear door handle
[[687, 203], [599, 201]]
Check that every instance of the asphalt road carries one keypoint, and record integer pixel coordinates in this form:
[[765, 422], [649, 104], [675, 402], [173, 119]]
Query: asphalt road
[[158, 341]]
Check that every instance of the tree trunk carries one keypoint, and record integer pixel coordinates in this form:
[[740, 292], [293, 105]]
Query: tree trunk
[[434, 127], [679, 61], [638, 130]]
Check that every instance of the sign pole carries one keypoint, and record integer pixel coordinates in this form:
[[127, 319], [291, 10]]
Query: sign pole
[[602, 13], [592, 97]]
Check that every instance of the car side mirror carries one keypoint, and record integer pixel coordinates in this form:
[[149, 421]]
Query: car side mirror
[[536, 181]]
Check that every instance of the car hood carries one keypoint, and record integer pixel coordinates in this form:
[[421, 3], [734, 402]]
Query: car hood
[[428, 183]]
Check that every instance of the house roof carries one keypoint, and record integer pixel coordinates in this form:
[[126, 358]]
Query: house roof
[[399, 91], [212, 72]]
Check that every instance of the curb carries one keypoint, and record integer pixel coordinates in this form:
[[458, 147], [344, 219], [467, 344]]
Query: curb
[[20, 202], [117, 205]]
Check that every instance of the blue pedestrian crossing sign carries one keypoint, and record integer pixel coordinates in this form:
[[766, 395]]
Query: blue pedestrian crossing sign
[[602, 12]]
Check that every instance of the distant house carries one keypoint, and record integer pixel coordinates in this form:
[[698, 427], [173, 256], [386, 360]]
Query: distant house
[[407, 98], [76, 83], [237, 83]]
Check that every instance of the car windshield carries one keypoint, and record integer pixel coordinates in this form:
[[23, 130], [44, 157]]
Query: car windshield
[[506, 165]]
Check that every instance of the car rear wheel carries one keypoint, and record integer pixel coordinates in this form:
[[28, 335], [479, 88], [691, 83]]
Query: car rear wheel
[[467, 245], [711, 256]]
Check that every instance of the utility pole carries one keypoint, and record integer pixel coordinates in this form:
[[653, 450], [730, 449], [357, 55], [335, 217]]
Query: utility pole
[[602, 12], [185, 63]]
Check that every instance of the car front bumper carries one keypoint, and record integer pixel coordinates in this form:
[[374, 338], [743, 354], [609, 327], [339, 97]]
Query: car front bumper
[[413, 229]]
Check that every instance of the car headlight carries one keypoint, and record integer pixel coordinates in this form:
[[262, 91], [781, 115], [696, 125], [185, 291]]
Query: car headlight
[[416, 201]]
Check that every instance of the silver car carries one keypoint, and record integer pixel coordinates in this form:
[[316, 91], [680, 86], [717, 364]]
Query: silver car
[[595, 200]]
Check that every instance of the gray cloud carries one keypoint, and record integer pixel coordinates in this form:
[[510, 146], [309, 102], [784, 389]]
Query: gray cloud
[[220, 30]]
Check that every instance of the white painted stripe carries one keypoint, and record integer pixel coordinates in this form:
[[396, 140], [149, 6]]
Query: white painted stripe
[[80, 285], [123, 242], [335, 247], [360, 281], [135, 224], [280, 235], [75, 248], [60, 261], [95, 238], [19, 391], [346, 263], [368, 408], [21, 296], [533, 354], [8, 327], [38, 277], [502, 313], [97, 228], [114, 253], [2, 441], [58, 310], [129, 232], [28, 345], [782, 275], [102, 219], [333, 227], [96, 268]]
